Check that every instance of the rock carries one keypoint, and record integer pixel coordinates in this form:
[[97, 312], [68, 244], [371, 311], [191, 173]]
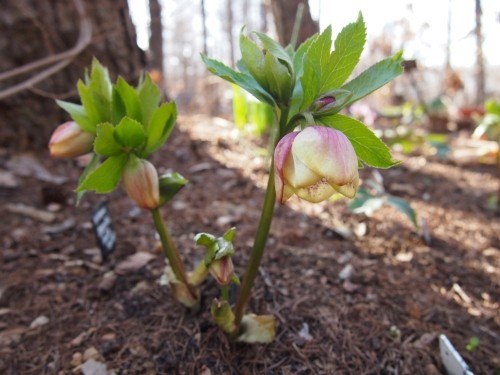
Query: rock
[[91, 353], [346, 272], [93, 367], [8, 180], [39, 321]]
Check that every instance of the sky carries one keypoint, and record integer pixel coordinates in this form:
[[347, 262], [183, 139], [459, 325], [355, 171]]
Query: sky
[[427, 20]]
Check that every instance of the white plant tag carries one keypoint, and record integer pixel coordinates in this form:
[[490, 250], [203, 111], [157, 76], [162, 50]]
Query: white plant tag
[[452, 361]]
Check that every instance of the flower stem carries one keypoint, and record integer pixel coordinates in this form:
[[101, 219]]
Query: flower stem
[[257, 251], [171, 251], [259, 245]]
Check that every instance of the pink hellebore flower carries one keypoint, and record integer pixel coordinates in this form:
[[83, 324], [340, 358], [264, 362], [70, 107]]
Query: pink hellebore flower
[[69, 141], [140, 180], [314, 164]]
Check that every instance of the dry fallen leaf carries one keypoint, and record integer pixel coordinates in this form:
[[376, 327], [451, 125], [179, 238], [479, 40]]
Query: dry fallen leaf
[[134, 262]]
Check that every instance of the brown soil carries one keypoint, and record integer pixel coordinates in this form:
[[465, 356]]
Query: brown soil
[[384, 317]]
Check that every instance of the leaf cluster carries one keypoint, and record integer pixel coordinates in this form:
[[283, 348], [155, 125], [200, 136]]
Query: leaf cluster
[[126, 121], [299, 82]]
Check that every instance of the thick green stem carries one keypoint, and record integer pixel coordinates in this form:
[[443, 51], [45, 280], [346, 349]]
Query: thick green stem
[[259, 245], [171, 252], [257, 250]]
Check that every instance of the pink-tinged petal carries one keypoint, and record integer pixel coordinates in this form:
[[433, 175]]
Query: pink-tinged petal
[[328, 152], [140, 180], [281, 153], [348, 190], [317, 192], [69, 140], [297, 174]]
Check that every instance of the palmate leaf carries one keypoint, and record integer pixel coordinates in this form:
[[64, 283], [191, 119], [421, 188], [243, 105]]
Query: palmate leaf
[[79, 115], [404, 207], [315, 61], [105, 143], [243, 80], [369, 148], [149, 97], [348, 47], [106, 176], [375, 77], [129, 133], [161, 125]]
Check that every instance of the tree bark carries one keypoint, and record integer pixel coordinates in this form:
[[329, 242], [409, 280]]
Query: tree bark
[[156, 42], [480, 74], [35, 29], [284, 12]]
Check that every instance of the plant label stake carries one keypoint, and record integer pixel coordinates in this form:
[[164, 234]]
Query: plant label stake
[[452, 361], [105, 236]]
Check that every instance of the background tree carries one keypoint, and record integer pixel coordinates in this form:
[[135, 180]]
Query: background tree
[[284, 12], [49, 45], [479, 71], [155, 57]]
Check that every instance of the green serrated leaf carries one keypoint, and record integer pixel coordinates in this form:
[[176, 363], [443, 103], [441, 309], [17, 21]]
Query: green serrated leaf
[[99, 80], [130, 99], [149, 97], [105, 143], [348, 47], [253, 58], [118, 110], [79, 115], [279, 81], [298, 56], [369, 148], [129, 133], [88, 103], [91, 166], [315, 62], [375, 77], [404, 207], [161, 125], [273, 47], [245, 81], [106, 177]]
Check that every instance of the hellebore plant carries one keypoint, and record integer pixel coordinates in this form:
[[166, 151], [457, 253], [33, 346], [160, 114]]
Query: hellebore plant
[[317, 150], [122, 125]]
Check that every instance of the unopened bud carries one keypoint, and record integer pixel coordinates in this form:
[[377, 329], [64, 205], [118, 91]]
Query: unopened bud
[[140, 180], [69, 141], [222, 270]]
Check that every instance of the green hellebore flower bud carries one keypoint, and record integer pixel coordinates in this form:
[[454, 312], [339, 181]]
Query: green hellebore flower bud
[[222, 270], [140, 180], [314, 164], [223, 315], [69, 141], [331, 102]]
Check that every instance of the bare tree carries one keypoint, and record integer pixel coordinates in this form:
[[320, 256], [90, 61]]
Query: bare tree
[[480, 71], [156, 43], [49, 45], [284, 12]]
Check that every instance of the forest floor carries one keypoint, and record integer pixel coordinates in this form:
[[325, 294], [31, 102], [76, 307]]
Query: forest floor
[[352, 294]]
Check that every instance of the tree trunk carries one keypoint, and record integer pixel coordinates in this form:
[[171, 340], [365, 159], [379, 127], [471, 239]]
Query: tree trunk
[[284, 12], [156, 44], [480, 74], [35, 29]]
